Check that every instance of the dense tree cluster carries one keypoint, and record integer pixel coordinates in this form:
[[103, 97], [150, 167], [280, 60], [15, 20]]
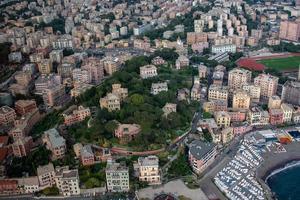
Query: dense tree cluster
[[141, 107]]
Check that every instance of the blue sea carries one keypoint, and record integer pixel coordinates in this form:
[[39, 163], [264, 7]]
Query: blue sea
[[285, 183]]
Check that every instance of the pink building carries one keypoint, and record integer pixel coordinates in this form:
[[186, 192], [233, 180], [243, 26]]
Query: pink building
[[7, 115], [201, 155], [241, 128], [198, 47], [289, 30], [276, 116], [87, 156], [127, 132], [95, 68], [237, 116], [77, 116]]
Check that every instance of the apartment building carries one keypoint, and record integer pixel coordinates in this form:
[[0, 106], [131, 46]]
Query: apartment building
[[148, 71], [95, 69], [241, 100], [216, 92], [56, 56], [81, 76], [111, 102], [201, 155], [274, 102], [156, 88], [182, 62], [67, 181], [77, 115], [258, 117], [253, 91], [268, 85], [23, 78], [117, 177], [29, 185], [276, 116], [65, 70], [289, 30], [55, 143], [203, 71], [222, 118], [148, 168], [23, 107], [238, 77], [111, 65], [46, 175], [291, 92], [230, 48], [45, 66], [23, 126], [288, 111], [87, 156], [54, 96], [227, 135], [7, 115], [22, 146]]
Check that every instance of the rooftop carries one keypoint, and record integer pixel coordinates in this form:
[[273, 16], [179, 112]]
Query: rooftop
[[199, 149]]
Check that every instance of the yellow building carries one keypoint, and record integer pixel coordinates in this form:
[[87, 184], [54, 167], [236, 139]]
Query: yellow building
[[238, 77], [241, 100], [274, 102], [223, 119]]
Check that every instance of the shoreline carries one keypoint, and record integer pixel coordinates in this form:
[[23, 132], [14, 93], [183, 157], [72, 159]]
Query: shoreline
[[276, 162], [286, 166]]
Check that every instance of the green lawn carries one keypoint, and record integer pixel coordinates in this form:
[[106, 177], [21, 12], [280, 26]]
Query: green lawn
[[282, 64]]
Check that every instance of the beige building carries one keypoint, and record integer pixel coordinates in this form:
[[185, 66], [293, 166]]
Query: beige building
[[45, 66], [117, 177], [268, 85], [216, 92], [111, 102], [148, 71], [118, 90], [253, 91], [274, 102], [55, 143], [169, 108], [23, 78], [46, 175], [222, 119], [227, 135], [202, 70], [148, 168], [287, 110], [241, 100], [238, 77]]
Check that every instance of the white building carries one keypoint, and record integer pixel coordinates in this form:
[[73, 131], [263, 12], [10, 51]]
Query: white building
[[148, 71], [159, 87], [67, 181], [117, 177], [223, 48]]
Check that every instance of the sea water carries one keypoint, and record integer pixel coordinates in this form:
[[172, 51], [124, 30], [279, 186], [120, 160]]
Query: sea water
[[285, 182]]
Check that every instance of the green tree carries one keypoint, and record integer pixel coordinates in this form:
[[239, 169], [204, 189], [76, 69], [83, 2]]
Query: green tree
[[137, 99], [207, 115], [51, 191], [111, 126]]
